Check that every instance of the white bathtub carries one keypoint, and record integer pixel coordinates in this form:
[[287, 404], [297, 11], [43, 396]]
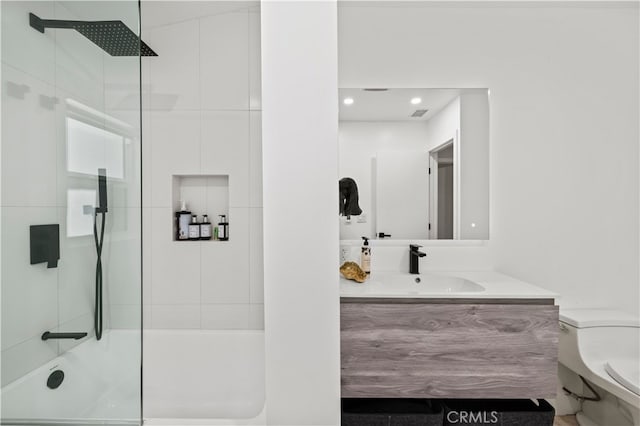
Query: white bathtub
[[203, 377], [101, 385], [191, 377]]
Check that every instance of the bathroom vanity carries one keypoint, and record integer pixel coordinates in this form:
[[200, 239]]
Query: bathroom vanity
[[447, 335]]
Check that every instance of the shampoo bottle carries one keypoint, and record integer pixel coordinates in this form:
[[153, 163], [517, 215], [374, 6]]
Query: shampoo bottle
[[365, 256], [183, 217], [223, 228], [205, 228], [194, 228]]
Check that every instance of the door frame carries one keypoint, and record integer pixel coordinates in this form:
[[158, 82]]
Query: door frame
[[453, 141]]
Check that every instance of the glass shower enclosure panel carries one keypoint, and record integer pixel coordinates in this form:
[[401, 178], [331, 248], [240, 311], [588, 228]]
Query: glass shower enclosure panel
[[71, 213]]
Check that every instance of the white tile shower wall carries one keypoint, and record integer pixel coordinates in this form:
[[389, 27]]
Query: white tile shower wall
[[224, 275], [203, 109], [76, 273], [37, 83], [174, 137], [30, 147], [29, 294], [224, 62], [79, 65], [14, 17], [173, 76], [255, 65], [175, 274], [224, 149], [27, 291]]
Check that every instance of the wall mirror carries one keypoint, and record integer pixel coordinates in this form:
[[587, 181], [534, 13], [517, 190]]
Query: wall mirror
[[420, 161]]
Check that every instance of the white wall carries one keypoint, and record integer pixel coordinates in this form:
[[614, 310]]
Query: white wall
[[563, 83], [60, 66], [443, 126], [388, 255], [202, 116], [300, 146]]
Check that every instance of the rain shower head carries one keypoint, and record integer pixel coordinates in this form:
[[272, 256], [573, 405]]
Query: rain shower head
[[114, 37]]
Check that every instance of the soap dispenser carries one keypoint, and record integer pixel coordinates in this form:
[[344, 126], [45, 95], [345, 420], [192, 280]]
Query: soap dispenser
[[205, 228], [365, 256]]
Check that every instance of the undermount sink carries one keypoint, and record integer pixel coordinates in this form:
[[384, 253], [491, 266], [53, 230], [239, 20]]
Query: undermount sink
[[428, 282]]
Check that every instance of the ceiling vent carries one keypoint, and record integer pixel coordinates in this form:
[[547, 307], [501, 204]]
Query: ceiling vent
[[375, 90], [419, 112]]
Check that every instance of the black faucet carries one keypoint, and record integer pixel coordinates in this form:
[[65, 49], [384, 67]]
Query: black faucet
[[76, 336], [414, 254]]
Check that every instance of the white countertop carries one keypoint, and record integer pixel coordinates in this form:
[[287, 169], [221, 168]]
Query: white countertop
[[443, 285]]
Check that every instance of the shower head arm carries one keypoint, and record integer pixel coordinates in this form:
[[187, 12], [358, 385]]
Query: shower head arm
[[41, 24], [114, 37]]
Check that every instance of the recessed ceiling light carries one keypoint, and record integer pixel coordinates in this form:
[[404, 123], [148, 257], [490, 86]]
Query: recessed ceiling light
[[416, 101], [348, 101]]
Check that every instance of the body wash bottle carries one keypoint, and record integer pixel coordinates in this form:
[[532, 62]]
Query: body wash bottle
[[205, 228], [365, 256], [183, 217]]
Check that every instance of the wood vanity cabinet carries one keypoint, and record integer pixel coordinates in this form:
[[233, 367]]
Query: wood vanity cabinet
[[429, 348]]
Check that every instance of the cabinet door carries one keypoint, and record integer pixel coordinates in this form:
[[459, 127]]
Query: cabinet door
[[448, 350]]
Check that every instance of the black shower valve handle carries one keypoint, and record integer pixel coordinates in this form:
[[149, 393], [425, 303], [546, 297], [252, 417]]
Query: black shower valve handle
[[44, 244]]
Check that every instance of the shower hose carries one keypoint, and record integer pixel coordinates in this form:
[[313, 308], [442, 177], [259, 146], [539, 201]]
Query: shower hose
[[97, 320]]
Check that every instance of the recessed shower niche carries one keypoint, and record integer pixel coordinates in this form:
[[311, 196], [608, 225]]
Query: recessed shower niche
[[203, 195]]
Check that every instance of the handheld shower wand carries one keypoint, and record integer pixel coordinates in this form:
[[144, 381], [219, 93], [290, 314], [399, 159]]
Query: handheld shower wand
[[102, 191], [102, 210]]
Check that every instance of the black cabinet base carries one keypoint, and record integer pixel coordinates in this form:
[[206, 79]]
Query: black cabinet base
[[497, 412], [390, 412], [427, 412]]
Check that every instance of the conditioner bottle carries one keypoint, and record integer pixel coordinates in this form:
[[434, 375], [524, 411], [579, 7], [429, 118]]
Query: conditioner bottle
[[194, 228], [223, 228]]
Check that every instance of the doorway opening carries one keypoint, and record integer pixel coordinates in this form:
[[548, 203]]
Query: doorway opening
[[442, 190]]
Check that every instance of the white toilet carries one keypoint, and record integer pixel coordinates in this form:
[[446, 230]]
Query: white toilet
[[603, 346]]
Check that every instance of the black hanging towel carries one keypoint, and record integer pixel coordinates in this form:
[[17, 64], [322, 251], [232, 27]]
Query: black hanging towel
[[349, 198]]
